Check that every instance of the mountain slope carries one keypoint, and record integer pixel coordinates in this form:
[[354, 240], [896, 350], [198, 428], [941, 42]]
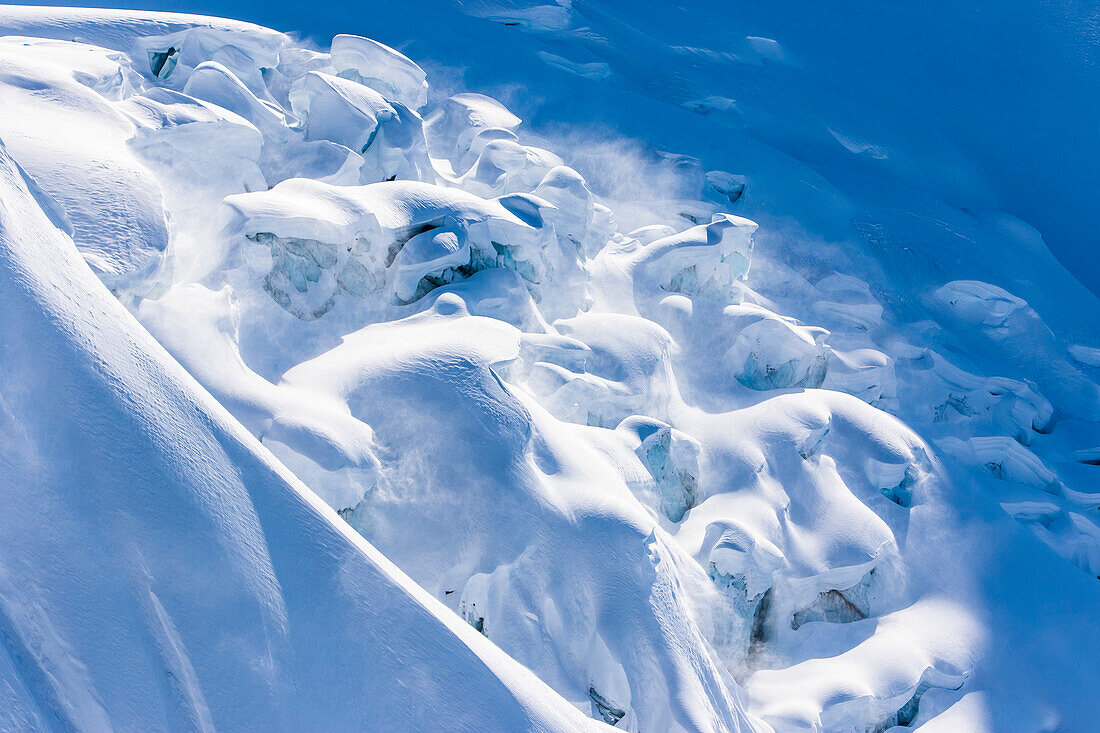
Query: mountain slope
[[822, 468], [161, 570]]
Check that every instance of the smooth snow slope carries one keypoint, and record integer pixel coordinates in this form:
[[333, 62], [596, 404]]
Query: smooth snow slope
[[161, 571], [822, 468]]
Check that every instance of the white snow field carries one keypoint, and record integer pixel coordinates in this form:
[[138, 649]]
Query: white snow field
[[334, 400]]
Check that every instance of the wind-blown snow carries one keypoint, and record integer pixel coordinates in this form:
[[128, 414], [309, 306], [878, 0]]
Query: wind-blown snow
[[687, 473]]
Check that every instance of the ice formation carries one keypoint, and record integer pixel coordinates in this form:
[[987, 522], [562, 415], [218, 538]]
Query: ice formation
[[656, 476]]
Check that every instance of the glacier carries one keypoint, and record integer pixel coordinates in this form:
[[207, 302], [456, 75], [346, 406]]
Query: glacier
[[336, 395]]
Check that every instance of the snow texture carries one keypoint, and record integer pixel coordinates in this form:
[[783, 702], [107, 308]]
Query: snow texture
[[331, 400]]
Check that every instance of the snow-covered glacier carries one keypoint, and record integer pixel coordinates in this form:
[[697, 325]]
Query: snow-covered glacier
[[336, 396]]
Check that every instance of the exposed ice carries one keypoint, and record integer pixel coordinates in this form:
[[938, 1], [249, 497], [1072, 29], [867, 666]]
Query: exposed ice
[[318, 231], [708, 257], [161, 63], [771, 352]]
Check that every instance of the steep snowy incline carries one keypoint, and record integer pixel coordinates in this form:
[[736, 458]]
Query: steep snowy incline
[[158, 569]]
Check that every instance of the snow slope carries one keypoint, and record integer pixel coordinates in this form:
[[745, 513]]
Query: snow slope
[[931, 95], [703, 449], [162, 571]]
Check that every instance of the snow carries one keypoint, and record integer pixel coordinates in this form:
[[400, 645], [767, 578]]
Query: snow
[[335, 397], [381, 68], [67, 127], [195, 583]]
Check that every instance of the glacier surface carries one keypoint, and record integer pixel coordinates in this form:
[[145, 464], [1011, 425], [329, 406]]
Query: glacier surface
[[331, 398]]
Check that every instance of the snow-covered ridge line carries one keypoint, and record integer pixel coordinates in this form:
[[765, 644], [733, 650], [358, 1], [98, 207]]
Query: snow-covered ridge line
[[687, 484]]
